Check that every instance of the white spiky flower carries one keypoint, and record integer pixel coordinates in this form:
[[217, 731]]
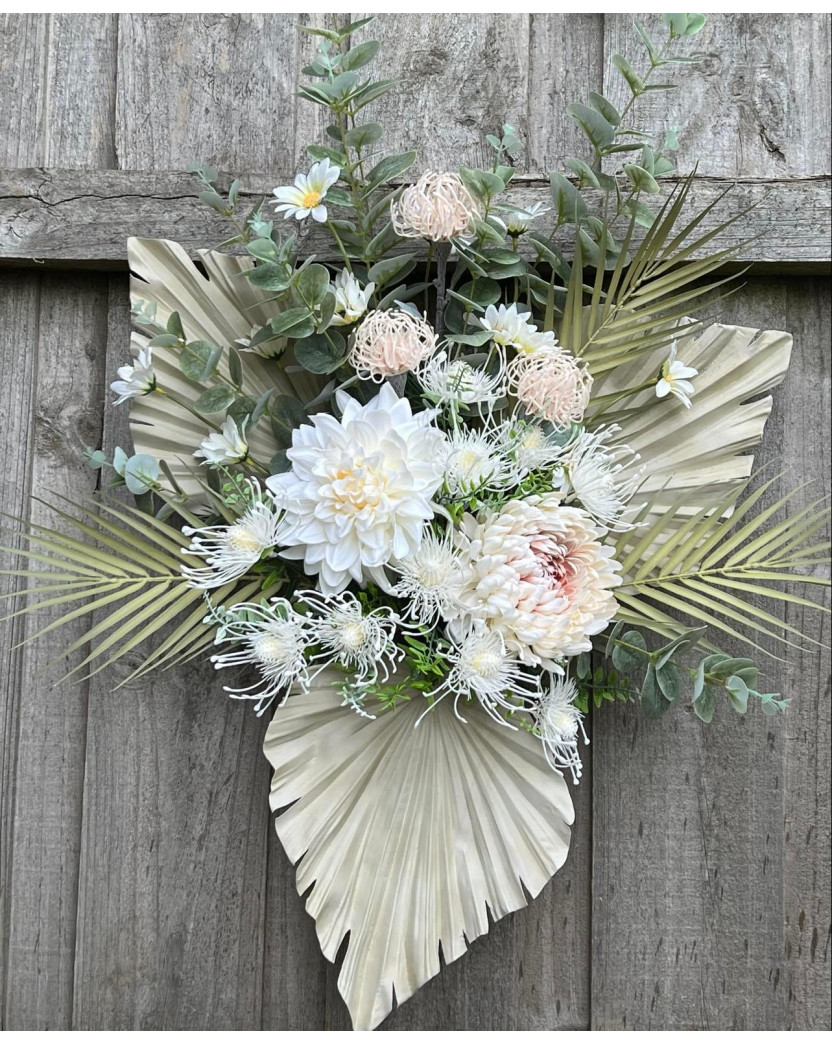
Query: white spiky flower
[[138, 379], [364, 642], [457, 381], [227, 446], [511, 328], [603, 477], [230, 551], [532, 445], [305, 198], [483, 669], [429, 578], [675, 379], [351, 299], [273, 638], [559, 724], [475, 461]]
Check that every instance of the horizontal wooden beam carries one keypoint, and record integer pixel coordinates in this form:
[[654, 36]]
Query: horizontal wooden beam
[[82, 218]]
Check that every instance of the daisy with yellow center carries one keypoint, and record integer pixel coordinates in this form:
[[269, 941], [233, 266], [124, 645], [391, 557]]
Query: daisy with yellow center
[[305, 198]]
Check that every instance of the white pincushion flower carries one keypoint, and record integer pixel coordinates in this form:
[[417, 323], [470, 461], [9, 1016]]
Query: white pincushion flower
[[138, 379], [482, 668], [227, 446], [389, 343], [594, 474], [537, 572], [438, 207], [551, 384], [509, 327], [558, 723], [230, 551], [350, 299], [364, 642], [475, 461], [305, 197], [674, 380], [429, 578], [273, 638], [459, 382], [360, 489]]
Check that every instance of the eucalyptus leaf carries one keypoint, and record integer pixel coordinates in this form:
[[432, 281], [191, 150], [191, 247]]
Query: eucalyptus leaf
[[629, 660], [599, 130], [198, 360], [321, 353], [215, 400], [286, 414], [141, 473]]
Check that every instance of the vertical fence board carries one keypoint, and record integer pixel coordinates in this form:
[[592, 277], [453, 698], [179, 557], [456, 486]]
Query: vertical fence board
[[698, 919], [57, 79]]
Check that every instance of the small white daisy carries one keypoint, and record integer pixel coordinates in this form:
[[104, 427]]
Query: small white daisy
[[227, 446], [230, 551], [558, 723], [305, 197], [516, 219], [351, 300], [593, 469], [138, 379], [457, 381], [364, 642], [273, 638], [674, 380], [483, 669], [430, 576]]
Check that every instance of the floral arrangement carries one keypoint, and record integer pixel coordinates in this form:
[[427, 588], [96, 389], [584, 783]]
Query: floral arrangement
[[430, 470]]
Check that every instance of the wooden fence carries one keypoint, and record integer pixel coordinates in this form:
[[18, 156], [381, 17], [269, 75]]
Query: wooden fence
[[141, 885]]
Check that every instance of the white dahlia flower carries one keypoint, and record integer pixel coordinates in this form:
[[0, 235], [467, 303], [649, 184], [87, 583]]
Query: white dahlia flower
[[537, 573], [559, 724], [230, 551], [359, 490]]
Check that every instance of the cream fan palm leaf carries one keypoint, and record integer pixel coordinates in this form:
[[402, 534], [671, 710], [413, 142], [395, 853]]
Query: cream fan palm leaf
[[409, 837]]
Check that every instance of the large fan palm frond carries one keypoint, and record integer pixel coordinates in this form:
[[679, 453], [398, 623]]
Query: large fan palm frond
[[123, 573]]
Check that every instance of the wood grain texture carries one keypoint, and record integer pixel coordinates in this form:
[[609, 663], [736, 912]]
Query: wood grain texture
[[758, 105], [67, 217], [716, 928]]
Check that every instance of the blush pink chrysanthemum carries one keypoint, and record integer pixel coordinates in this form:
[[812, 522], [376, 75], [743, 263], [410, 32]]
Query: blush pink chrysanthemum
[[551, 384], [438, 207], [390, 343]]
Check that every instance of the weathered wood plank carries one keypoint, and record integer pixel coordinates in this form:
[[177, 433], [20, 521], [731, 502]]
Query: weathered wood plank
[[757, 106], [50, 724], [57, 83], [215, 88], [62, 217], [711, 843]]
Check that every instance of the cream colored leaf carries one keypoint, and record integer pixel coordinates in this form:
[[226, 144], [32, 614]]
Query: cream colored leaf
[[410, 836], [220, 306]]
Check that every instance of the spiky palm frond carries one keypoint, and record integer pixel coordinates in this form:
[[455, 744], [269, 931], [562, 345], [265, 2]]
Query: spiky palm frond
[[714, 565], [123, 572], [648, 292]]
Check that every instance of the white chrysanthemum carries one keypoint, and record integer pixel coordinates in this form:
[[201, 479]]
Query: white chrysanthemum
[[509, 327], [475, 461], [138, 379], [594, 471], [438, 207], [532, 446], [674, 379], [559, 724], [429, 578], [482, 668], [227, 446], [306, 196], [363, 642], [458, 382], [230, 551], [351, 299], [271, 638], [360, 489], [537, 572]]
